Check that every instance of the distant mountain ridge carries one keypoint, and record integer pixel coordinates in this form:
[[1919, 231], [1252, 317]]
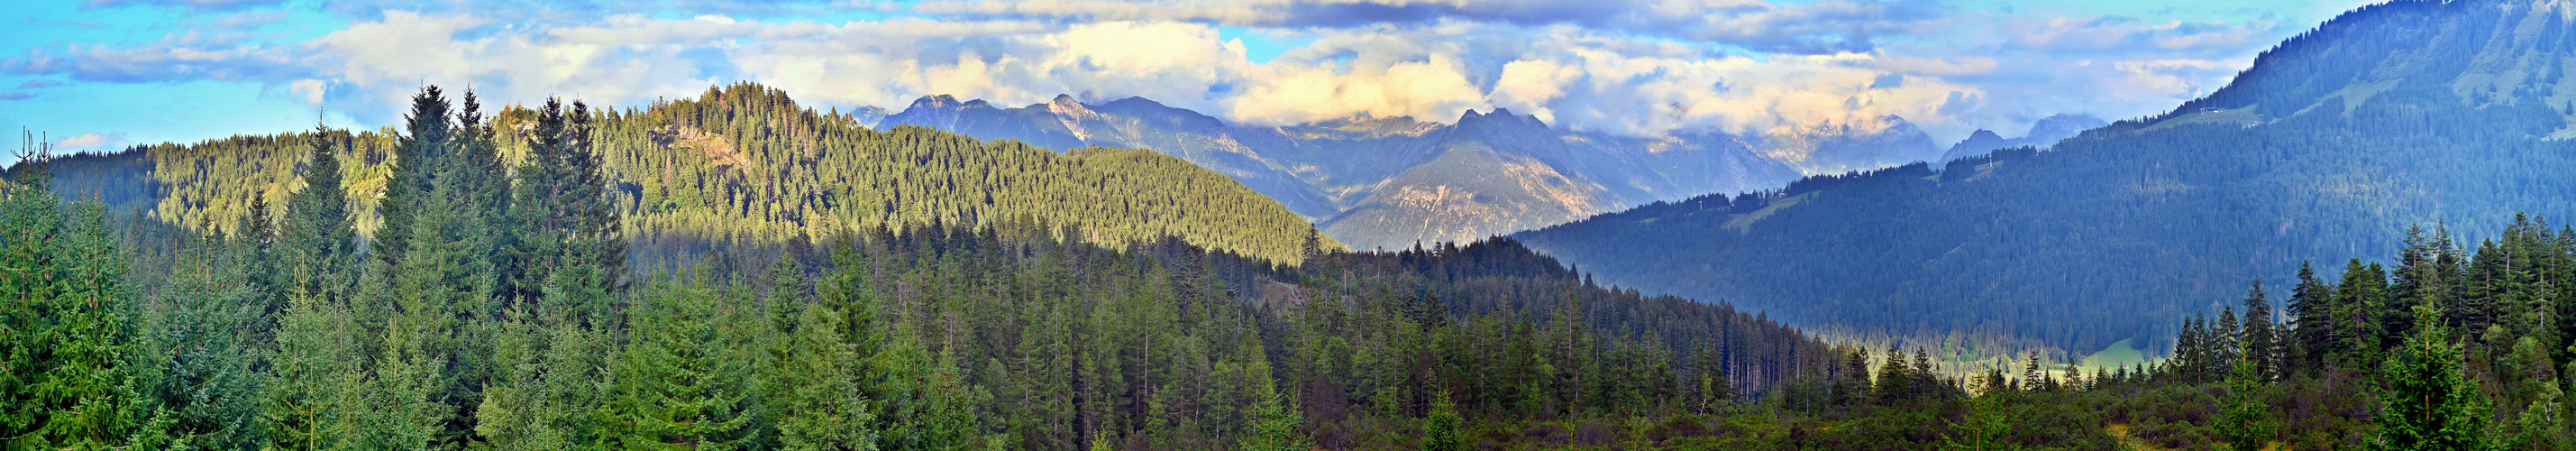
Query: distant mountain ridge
[[2045, 133], [1835, 148], [2334, 143], [745, 163], [1392, 182]]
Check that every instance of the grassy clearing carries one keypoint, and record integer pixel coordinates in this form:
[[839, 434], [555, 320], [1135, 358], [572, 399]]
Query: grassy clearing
[[1743, 223], [2117, 354], [2239, 116]]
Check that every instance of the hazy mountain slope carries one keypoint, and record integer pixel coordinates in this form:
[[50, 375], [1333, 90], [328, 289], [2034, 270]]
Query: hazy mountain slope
[[747, 163], [1349, 158], [2045, 133], [1379, 182], [1502, 172], [1495, 174], [1066, 124], [2413, 112], [1842, 147]]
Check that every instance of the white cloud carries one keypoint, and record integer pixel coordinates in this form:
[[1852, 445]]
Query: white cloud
[[1530, 84], [2174, 79], [1435, 88], [1642, 67], [91, 141]]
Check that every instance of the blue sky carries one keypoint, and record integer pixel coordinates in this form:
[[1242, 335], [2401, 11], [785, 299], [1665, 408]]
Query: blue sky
[[102, 74]]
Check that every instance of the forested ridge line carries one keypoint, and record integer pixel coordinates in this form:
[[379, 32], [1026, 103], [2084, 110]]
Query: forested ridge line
[[501, 309], [740, 164], [2326, 149]]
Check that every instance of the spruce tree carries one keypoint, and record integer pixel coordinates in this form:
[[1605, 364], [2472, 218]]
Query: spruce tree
[[1894, 383], [2357, 301], [1985, 428], [312, 392], [423, 146], [66, 322], [193, 384], [1275, 427], [2257, 343], [2247, 423], [2312, 313], [317, 234], [2426, 401], [685, 380], [2225, 347], [1443, 430]]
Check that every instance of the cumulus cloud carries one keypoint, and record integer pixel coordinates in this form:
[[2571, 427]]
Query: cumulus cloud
[[1635, 67], [1435, 88], [195, 5], [1817, 27], [91, 141], [2117, 33]]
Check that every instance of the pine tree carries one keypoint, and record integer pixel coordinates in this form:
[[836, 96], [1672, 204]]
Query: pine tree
[[2191, 351], [2225, 345], [317, 233], [1443, 430], [1894, 383], [1275, 427], [2248, 423], [311, 394], [193, 383], [2358, 301], [2427, 402], [2032, 378], [2257, 342], [2312, 313], [423, 147], [815, 401], [65, 354], [685, 380], [1926, 383], [1985, 427]]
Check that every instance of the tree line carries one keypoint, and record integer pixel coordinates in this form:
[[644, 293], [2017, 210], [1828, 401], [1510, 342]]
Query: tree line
[[2183, 207], [743, 163], [503, 303]]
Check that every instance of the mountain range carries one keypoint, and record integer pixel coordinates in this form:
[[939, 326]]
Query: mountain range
[[740, 164], [1394, 182], [2044, 133], [2443, 115]]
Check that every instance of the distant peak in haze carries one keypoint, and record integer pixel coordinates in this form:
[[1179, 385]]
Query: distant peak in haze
[[2044, 133]]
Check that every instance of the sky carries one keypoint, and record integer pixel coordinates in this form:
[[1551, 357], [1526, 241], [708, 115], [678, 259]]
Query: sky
[[105, 74]]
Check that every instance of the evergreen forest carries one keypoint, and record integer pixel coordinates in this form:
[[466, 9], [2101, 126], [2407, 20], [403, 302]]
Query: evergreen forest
[[2328, 148]]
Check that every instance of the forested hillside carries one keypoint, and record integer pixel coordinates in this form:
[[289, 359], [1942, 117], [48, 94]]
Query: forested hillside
[[2328, 148], [1390, 182], [743, 163], [500, 310], [284, 333], [2043, 134]]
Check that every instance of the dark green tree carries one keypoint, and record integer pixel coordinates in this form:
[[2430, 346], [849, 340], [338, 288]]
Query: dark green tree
[[424, 146], [685, 382], [193, 384], [2426, 401], [65, 321], [2312, 315], [1443, 429], [317, 235], [2258, 341], [2248, 423]]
